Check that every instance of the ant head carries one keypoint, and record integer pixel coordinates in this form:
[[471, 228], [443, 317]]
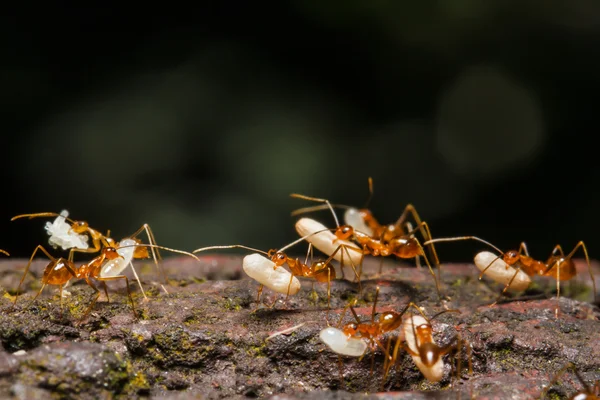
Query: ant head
[[79, 226], [429, 353], [278, 257], [511, 257], [344, 232], [110, 253], [350, 329]]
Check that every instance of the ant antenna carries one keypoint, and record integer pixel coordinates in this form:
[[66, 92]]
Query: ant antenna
[[295, 242], [320, 207], [155, 246], [4, 252], [43, 214], [301, 196], [455, 239], [233, 246], [443, 312], [240, 246], [370, 193]]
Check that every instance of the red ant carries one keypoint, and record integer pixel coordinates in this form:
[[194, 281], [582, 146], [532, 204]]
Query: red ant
[[588, 393], [405, 246], [100, 240], [364, 221], [557, 266], [61, 270], [426, 354], [321, 271]]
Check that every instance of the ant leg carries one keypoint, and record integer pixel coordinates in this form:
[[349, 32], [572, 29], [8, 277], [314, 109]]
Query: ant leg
[[60, 292], [137, 278], [343, 248], [409, 228], [39, 247], [523, 249], [155, 253], [374, 305], [425, 232], [344, 313], [112, 278], [35, 297], [328, 293], [91, 306], [259, 293], [105, 291], [557, 376], [341, 365], [517, 268]]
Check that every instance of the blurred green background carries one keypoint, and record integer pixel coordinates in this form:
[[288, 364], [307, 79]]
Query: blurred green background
[[201, 122]]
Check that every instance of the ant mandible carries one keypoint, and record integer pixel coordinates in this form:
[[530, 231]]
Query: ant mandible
[[558, 265], [405, 246]]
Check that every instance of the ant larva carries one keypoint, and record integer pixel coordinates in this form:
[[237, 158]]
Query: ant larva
[[268, 271], [420, 344], [406, 246], [70, 235], [364, 221], [587, 393], [514, 268], [61, 270]]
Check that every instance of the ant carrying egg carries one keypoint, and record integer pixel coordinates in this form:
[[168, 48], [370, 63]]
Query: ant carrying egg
[[404, 246], [73, 235], [59, 271], [268, 271], [514, 268]]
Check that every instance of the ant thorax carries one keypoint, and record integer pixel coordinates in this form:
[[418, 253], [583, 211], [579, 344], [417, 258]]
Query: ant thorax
[[61, 234]]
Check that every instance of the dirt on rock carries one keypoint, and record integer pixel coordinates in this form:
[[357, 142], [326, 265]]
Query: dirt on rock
[[204, 339]]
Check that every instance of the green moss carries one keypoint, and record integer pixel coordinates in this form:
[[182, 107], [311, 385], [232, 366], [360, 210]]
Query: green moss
[[231, 304], [257, 351], [138, 383]]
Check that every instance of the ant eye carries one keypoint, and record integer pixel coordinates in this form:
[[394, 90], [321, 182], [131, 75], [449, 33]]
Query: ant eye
[[281, 256]]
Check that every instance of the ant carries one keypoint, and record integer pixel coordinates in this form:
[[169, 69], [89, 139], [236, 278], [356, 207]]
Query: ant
[[426, 354], [557, 266], [404, 246], [588, 393], [61, 270], [263, 269], [355, 338], [69, 238], [364, 221]]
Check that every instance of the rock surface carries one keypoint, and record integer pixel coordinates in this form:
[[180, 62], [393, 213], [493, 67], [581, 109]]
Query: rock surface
[[202, 340]]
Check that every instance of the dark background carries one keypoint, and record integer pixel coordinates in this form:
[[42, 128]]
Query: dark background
[[483, 114]]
